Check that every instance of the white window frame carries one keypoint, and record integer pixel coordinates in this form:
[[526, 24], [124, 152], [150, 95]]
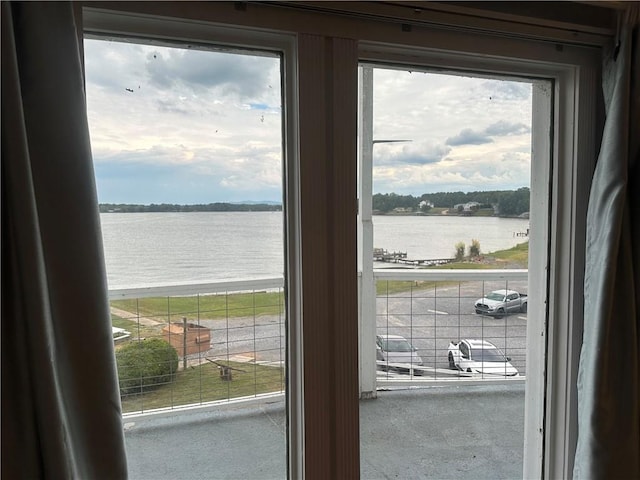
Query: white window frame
[[551, 430]]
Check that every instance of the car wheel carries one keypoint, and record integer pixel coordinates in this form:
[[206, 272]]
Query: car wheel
[[452, 364], [523, 308], [500, 313]]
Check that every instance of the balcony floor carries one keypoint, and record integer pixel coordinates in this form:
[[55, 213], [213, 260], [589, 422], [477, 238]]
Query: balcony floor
[[457, 432]]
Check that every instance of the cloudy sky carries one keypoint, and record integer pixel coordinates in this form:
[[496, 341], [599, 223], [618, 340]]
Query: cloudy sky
[[174, 125]]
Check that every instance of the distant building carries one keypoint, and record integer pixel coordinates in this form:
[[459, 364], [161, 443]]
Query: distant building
[[467, 207]]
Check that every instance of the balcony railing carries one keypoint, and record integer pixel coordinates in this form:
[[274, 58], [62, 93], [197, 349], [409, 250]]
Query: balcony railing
[[230, 336]]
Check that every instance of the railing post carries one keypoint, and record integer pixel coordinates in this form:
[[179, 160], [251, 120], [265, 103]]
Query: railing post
[[367, 334], [184, 343]]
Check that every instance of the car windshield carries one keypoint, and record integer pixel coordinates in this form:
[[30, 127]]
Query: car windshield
[[396, 345], [488, 355], [495, 296]]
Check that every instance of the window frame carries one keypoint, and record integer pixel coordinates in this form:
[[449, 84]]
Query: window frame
[[554, 329], [551, 429], [105, 23]]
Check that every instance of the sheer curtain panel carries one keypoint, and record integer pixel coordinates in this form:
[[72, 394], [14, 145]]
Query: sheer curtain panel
[[60, 401], [608, 443]]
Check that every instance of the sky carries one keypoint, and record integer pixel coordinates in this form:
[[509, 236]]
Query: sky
[[177, 125]]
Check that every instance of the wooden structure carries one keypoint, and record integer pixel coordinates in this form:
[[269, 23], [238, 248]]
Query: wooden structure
[[187, 338], [382, 255]]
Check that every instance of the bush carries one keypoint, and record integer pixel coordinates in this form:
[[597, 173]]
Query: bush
[[474, 249], [459, 251], [145, 364]]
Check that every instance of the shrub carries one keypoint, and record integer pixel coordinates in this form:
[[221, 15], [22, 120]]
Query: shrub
[[474, 249], [145, 364], [460, 251]]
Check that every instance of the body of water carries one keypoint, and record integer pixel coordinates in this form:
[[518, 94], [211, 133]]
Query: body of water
[[147, 249], [431, 237]]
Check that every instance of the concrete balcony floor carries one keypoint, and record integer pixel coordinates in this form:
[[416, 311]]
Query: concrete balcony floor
[[457, 432]]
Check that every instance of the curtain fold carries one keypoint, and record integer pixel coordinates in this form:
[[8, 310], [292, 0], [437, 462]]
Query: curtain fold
[[608, 444], [61, 415]]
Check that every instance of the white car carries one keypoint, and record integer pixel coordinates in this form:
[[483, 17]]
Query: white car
[[392, 350], [479, 356]]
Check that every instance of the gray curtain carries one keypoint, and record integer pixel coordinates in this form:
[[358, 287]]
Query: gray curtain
[[608, 443], [61, 413]]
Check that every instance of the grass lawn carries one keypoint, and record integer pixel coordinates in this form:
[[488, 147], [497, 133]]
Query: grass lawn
[[436, 211], [484, 212], [137, 330], [205, 306], [516, 255], [203, 384]]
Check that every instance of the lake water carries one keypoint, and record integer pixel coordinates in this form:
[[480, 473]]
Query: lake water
[[147, 249]]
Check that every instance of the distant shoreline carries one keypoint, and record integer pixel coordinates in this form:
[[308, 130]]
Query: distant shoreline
[[174, 208], [240, 208], [453, 214]]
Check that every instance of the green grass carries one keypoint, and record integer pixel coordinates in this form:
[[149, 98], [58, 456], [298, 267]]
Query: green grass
[[384, 287], [137, 330], [203, 384], [120, 322], [518, 255], [172, 309], [436, 210], [484, 212]]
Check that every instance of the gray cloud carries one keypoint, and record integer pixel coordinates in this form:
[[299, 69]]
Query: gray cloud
[[415, 154], [468, 137], [113, 65], [245, 76], [116, 66], [476, 137]]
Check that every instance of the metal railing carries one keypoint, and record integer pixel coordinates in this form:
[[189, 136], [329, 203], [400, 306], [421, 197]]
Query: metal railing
[[230, 336]]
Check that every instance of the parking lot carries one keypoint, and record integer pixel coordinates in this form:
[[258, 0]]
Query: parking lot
[[431, 318]]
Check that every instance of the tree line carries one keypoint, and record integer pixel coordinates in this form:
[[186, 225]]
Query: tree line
[[171, 207], [505, 202]]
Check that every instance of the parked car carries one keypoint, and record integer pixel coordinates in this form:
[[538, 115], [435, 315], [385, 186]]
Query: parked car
[[479, 356], [394, 350], [501, 302]]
